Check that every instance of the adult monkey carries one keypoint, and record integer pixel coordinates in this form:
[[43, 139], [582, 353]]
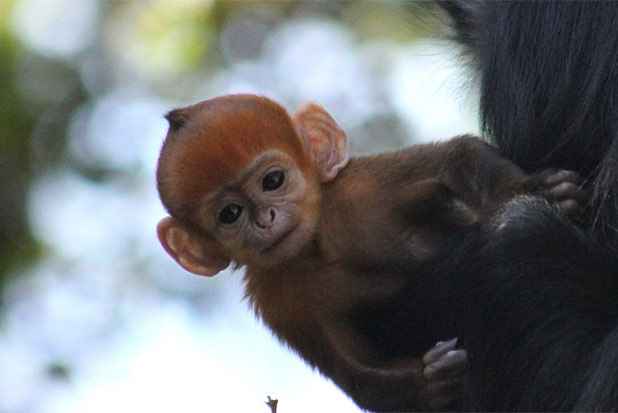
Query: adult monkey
[[542, 333]]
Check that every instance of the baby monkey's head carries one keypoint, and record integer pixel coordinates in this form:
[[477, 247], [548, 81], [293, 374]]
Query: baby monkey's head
[[241, 180]]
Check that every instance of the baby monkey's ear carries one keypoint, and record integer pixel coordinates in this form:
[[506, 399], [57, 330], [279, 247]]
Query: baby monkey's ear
[[195, 253], [325, 141]]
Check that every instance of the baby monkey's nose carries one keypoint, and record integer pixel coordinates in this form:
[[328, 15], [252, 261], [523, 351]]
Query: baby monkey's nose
[[265, 217]]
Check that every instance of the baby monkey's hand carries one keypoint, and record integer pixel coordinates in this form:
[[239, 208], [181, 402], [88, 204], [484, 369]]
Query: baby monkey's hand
[[563, 187], [445, 367]]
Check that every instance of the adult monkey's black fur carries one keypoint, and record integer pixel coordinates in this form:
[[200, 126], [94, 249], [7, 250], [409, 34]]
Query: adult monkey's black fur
[[549, 89], [541, 323]]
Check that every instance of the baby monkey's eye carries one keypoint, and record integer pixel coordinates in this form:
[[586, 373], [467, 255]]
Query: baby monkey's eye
[[230, 214], [273, 180]]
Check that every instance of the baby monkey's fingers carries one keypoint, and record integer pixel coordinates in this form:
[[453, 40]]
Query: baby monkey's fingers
[[565, 188], [444, 370], [445, 367]]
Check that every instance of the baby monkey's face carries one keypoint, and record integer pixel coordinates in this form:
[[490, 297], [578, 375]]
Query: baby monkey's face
[[267, 214]]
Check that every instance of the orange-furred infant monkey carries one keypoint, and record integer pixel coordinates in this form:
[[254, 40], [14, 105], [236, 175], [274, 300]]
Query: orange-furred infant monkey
[[334, 247]]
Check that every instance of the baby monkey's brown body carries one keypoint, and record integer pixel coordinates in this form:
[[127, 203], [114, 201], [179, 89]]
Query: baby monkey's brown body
[[338, 252]]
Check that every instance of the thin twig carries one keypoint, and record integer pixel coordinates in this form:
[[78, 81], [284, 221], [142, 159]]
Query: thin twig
[[272, 403]]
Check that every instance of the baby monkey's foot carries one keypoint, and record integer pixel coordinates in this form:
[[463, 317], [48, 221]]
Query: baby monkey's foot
[[444, 371], [565, 188]]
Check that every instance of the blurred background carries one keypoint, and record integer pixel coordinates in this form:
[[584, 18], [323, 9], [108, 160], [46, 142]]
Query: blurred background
[[94, 317]]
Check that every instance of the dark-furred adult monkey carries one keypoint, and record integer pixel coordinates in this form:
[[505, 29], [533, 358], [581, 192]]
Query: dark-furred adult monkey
[[339, 253], [542, 331]]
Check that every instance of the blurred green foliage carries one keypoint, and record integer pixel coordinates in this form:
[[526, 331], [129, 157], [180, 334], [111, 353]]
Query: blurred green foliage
[[32, 136], [16, 126]]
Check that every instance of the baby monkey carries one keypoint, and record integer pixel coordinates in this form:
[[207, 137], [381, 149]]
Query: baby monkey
[[340, 253]]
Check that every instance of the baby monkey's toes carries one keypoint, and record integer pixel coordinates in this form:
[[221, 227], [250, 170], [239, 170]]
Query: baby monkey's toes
[[565, 188]]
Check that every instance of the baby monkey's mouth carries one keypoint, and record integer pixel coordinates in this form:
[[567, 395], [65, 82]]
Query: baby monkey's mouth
[[279, 240]]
